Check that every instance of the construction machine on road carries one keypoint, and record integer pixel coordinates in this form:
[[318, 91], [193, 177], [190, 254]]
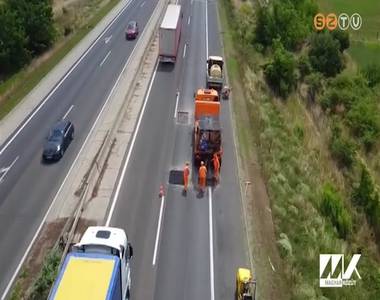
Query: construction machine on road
[[245, 285], [207, 130], [215, 72]]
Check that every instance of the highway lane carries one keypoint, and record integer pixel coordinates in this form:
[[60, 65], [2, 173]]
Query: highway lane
[[188, 256], [28, 188]]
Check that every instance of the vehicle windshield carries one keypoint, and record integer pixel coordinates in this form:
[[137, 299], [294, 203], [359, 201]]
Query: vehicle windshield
[[131, 26], [55, 135]]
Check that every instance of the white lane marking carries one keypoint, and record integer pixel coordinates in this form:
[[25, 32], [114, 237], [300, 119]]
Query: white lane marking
[[121, 179], [107, 39], [211, 243], [67, 113], [6, 170], [191, 3], [142, 4], [158, 231], [105, 58], [188, 20], [6, 291], [184, 51], [176, 105], [206, 31], [62, 80]]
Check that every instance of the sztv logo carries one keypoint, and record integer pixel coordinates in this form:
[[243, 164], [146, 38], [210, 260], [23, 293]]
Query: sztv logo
[[332, 272]]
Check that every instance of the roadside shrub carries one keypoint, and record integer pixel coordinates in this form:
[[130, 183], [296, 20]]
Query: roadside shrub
[[343, 150], [324, 54], [364, 121], [332, 207], [343, 38], [280, 73], [372, 74], [315, 85], [304, 66], [367, 197]]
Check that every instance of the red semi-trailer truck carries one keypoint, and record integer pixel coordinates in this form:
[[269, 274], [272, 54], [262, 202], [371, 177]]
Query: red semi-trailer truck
[[170, 33]]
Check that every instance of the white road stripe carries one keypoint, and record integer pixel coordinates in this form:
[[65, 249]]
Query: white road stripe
[[67, 113], [188, 20], [107, 39], [105, 58], [6, 170], [61, 81], [211, 243], [142, 4], [184, 51], [121, 179], [158, 231], [176, 105], [206, 30]]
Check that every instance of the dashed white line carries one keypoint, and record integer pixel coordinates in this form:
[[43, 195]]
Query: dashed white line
[[60, 83], [105, 58], [142, 4], [121, 179], [188, 20], [67, 113], [107, 39], [184, 51], [158, 231], [176, 105], [211, 243], [6, 170]]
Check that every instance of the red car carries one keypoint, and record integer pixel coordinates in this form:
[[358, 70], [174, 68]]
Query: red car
[[132, 30]]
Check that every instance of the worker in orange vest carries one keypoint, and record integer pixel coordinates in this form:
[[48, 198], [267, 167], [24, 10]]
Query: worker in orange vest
[[216, 162], [186, 175], [202, 176]]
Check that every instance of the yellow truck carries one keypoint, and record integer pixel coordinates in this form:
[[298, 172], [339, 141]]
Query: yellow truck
[[98, 267]]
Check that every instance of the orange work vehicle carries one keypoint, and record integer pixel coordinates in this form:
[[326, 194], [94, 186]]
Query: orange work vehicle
[[207, 130]]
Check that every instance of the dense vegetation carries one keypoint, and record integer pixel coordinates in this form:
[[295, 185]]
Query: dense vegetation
[[27, 29], [324, 196]]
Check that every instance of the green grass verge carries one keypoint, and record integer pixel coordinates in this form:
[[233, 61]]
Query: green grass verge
[[23, 82], [365, 53]]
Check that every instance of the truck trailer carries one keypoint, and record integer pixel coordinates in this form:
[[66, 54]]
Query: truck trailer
[[97, 268], [170, 33]]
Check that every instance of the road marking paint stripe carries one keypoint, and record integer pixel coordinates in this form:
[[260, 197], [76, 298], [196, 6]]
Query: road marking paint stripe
[[142, 4], [6, 170], [188, 20], [67, 113], [158, 231], [211, 243], [105, 58], [121, 179], [37, 109], [176, 105]]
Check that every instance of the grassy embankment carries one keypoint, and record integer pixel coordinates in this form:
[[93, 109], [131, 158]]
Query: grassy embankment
[[79, 20], [299, 172]]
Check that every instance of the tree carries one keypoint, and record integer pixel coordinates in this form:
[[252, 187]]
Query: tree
[[324, 54], [343, 38], [280, 73], [13, 53], [304, 66], [364, 120], [315, 84], [372, 74], [36, 17]]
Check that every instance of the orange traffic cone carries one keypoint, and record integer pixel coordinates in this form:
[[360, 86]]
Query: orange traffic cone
[[162, 192]]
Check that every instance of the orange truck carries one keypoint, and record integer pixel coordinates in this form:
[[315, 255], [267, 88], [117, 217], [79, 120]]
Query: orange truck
[[207, 130]]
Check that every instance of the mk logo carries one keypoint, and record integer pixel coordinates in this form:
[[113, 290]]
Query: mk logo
[[336, 275]]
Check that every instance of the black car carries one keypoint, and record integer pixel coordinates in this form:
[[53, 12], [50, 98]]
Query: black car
[[58, 140], [132, 30]]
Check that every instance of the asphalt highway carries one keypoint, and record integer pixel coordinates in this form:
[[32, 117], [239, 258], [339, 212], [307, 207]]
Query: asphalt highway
[[185, 247], [28, 186]]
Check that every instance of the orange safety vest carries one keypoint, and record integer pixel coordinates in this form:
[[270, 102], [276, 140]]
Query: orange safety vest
[[202, 172]]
